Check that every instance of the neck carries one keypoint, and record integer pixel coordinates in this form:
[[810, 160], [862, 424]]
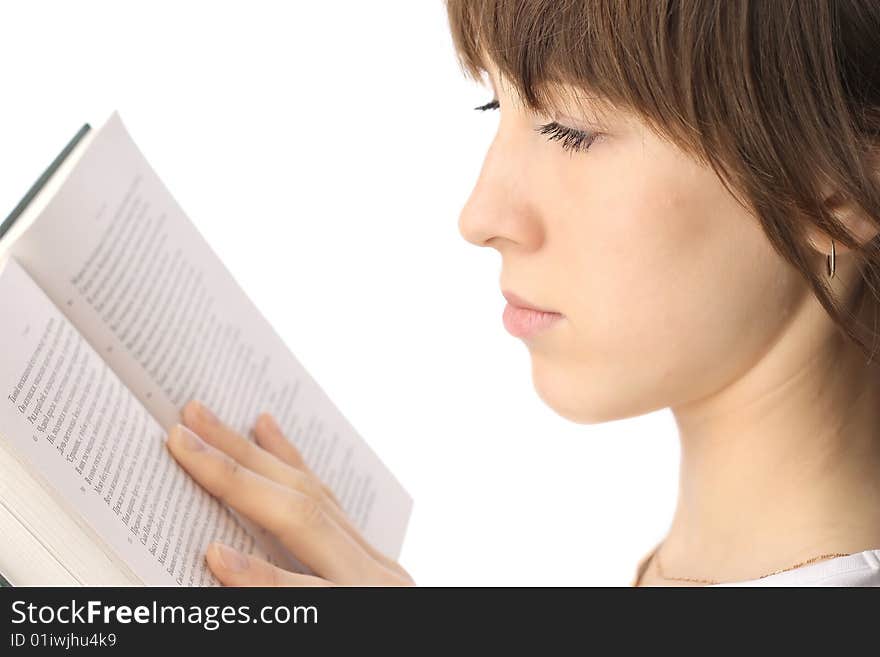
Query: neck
[[783, 464]]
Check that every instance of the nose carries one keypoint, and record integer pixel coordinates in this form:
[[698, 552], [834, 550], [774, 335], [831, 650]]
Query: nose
[[501, 212]]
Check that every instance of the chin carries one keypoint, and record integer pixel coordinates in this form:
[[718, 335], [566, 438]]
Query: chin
[[576, 396]]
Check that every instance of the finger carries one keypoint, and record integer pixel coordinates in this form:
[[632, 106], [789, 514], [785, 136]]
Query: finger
[[270, 437], [200, 419], [290, 471], [296, 519], [233, 568]]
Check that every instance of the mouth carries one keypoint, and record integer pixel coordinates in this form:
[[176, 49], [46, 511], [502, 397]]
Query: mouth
[[523, 319]]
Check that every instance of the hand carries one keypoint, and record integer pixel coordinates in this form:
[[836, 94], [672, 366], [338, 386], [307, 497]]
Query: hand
[[269, 483]]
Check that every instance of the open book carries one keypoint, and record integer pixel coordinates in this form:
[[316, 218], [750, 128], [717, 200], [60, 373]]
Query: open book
[[115, 313]]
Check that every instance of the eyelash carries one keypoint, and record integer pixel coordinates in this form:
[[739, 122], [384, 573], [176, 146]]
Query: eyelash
[[569, 138]]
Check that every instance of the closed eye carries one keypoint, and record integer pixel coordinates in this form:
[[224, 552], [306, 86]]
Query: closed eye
[[569, 138]]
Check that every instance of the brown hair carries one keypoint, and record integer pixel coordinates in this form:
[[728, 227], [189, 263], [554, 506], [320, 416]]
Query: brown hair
[[780, 98]]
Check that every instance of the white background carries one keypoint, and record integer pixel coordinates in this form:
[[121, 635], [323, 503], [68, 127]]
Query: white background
[[325, 150]]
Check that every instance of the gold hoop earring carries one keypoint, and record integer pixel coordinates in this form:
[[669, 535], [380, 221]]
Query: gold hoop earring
[[831, 261]]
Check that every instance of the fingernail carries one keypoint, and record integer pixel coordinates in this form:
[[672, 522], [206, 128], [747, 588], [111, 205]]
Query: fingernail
[[231, 559], [206, 415], [189, 440]]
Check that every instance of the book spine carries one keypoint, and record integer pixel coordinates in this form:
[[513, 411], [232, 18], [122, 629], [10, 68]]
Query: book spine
[[42, 180]]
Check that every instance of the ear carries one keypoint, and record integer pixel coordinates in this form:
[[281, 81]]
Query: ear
[[853, 218]]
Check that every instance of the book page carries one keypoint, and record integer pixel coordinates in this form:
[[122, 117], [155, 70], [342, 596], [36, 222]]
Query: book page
[[117, 254], [84, 436]]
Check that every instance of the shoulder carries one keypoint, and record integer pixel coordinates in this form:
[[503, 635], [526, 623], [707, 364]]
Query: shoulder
[[858, 569]]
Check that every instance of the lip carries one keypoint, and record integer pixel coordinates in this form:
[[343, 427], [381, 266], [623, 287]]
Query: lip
[[519, 302], [522, 319]]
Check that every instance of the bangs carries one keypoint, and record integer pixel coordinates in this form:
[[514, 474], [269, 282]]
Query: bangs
[[625, 54]]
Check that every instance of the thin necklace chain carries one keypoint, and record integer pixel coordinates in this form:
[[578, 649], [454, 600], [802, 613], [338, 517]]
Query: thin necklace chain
[[656, 558]]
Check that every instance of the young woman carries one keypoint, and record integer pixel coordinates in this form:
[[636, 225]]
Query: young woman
[[686, 198]]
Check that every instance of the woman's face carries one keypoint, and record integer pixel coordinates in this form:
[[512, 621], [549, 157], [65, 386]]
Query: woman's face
[[669, 289]]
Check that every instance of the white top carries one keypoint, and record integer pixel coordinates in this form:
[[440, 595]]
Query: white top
[[858, 569]]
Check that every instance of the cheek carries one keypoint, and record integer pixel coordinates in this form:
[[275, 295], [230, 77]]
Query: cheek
[[673, 290]]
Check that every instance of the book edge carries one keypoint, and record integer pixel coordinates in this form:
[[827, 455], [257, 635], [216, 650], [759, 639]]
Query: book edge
[[8, 453]]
